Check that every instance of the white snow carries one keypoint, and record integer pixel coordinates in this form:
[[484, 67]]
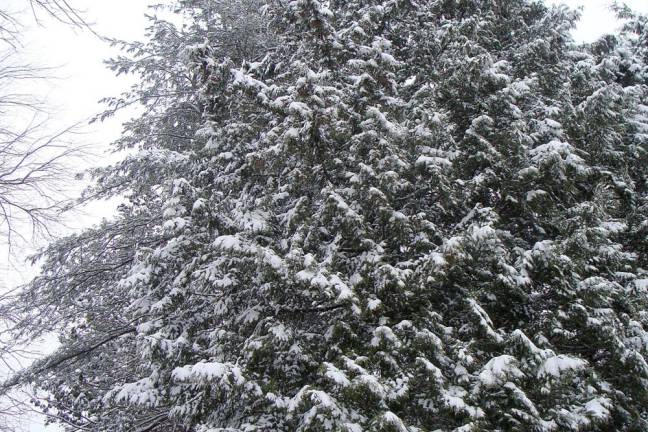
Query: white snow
[[373, 304], [393, 420], [522, 397], [384, 333], [241, 78], [560, 364], [252, 221], [599, 408], [410, 81], [250, 315], [433, 162], [480, 233], [280, 332], [300, 109], [559, 154], [641, 284], [344, 291], [141, 392], [199, 204], [229, 242], [431, 368], [392, 129], [336, 375], [207, 371], [272, 259], [531, 195], [453, 398], [353, 427], [175, 224], [371, 383], [614, 226], [484, 320], [499, 370]]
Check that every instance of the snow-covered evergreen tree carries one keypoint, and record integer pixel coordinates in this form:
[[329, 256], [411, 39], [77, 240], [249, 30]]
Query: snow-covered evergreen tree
[[363, 216]]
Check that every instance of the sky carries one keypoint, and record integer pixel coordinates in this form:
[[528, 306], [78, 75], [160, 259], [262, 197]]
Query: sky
[[79, 79], [82, 78], [596, 18]]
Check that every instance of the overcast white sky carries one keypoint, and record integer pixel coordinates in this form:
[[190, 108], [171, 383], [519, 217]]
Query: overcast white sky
[[597, 18], [84, 80]]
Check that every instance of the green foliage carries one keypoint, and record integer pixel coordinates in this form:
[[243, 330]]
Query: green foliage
[[382, 216]]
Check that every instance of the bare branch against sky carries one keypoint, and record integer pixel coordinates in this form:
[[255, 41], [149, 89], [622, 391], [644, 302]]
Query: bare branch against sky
[[35, 156], [36, 166], [59, 10]]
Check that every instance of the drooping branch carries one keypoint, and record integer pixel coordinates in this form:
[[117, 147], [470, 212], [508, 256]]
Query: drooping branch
[[55, 360]]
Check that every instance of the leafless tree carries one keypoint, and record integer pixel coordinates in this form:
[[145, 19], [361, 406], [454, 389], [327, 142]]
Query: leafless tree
[[34, 164], [37, 163], [34, 161]]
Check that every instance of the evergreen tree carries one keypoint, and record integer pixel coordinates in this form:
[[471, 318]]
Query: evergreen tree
[[363, 215]]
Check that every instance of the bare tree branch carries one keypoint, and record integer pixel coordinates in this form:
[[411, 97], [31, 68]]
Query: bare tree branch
[[37, 166], [59, 10]]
